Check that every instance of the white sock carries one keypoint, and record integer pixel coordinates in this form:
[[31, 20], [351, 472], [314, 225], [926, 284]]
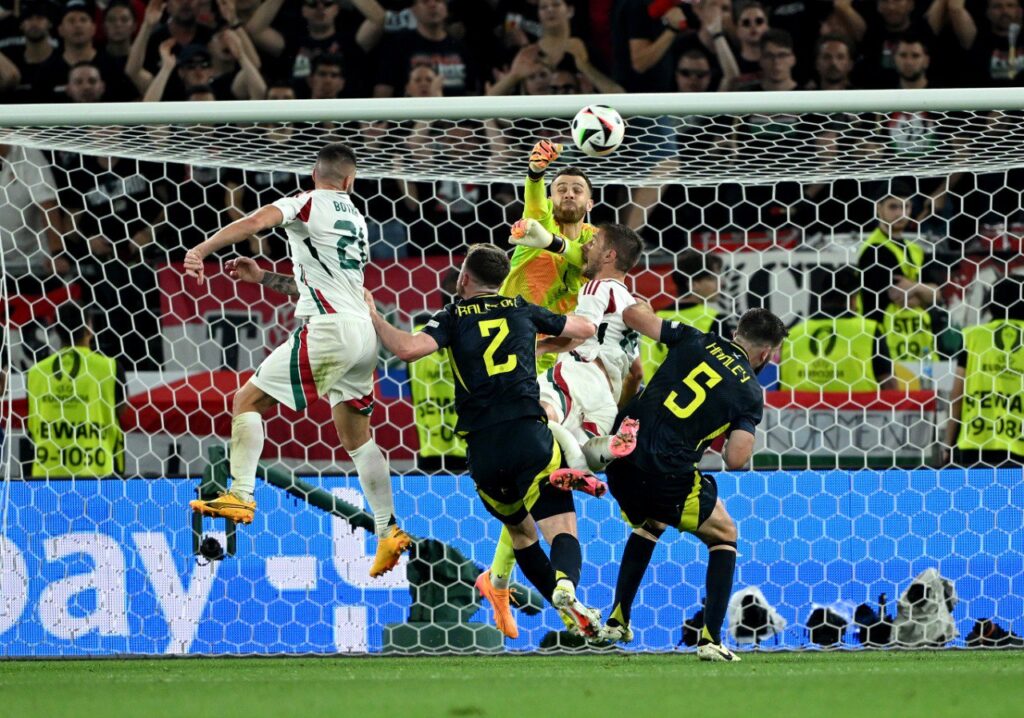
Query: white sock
[[246, 447], [375, 479], [597, 454], [570, 447]]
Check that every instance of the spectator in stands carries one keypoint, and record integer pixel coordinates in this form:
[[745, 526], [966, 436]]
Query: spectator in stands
[[836, 350], [986, 416], [75, 400], [119, 28], [85, 83], [428, 44], [879, 36], [236, 66], [751, 24], [564, 82], [200, 93], [30, 223], [912, 59], [996, 52], [833, 64], [777, 62], [327, 80], [38, 62], [527, 75], [182, 26], [693, 72], [280, 90], [696, 278], [560, 49], [892, 290], [642, 46], [713, 35]]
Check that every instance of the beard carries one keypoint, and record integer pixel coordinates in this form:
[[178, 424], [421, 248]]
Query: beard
[[568, 216], [912, 76]]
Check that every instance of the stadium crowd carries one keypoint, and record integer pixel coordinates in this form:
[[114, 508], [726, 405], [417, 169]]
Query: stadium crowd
[[107, 222]]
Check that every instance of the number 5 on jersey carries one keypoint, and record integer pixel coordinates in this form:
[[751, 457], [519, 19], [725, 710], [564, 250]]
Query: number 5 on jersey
[[500, 329], [700, 393]]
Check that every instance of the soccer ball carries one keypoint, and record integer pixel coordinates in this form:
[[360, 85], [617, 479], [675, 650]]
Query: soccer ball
[[598, 130]]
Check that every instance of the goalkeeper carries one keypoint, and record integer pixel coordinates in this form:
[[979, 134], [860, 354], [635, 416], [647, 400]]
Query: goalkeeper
[[547, 270]]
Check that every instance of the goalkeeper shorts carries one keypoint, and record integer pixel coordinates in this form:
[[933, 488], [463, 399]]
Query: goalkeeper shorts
[[329, 355]]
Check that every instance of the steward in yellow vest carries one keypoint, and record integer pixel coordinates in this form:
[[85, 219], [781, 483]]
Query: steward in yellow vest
[[891, 289], [986, 425], [74, 397], [835, 351], [696, 279], [433, 399]]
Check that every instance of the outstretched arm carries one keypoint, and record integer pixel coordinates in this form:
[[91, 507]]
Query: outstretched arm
[[407, 347], [262, 219], [245, 269], [640, 317]]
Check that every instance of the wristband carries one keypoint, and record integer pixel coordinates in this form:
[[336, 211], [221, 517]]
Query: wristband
[[717, 35], [534, 175], [558, 245]]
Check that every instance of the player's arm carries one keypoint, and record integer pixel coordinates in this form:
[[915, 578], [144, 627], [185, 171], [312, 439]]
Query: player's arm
[[533, 233], [640, 317], [406, 346], [259, 221], [570, 326], [738, 449], [246, 270], [535, 196], [631, 383]]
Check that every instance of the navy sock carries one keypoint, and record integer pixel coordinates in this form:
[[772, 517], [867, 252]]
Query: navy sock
[[635, 559], [721, 567], [567, 557], [534, 564]]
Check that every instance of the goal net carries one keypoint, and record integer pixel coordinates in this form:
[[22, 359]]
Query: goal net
[[885, 228]]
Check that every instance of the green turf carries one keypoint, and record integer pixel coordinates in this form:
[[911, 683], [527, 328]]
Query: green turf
[[833, 685]]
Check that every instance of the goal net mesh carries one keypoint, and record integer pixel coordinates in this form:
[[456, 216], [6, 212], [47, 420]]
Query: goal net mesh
[[851, 495]]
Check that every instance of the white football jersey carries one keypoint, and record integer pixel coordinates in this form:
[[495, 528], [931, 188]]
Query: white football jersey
[[602, 301], [328, 244]]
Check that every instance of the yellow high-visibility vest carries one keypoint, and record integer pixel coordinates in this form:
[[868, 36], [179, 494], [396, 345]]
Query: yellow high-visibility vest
[[908, 330], [831, 354], [433, 398], [72, 415], [992, 414]]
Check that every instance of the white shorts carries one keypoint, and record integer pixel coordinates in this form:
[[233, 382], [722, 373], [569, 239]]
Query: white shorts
[[330, 355], [581, 397]]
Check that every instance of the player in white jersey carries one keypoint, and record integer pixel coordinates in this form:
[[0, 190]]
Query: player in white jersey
[[583, 391], [333, 353]]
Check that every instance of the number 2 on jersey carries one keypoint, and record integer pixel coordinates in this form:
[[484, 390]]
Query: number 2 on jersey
[[350, 233], [700, 393], [500, 329]]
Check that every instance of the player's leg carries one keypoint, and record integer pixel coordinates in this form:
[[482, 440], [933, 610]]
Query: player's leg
[[718, 532], [601, 450], [351, 397], [249, 405], [627, 486]]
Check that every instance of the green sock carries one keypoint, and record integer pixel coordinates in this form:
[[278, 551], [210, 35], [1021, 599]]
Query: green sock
[[503, 562]]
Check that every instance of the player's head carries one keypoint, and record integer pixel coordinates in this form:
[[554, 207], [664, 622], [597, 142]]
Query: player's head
[[572, 195], [697, 273], [73, 326], [335, 167], [1007, 300], [893, 209], [760, 333], [484, 269], [615, 247]]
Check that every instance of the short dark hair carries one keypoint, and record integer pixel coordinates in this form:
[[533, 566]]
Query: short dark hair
[[695, 53], [626, 243], [912, 38], [574, 171], [72, 324], [336, 161], [1007, 298], [834, 37], [761, 327], [488, 264], [777, 37], [85, 63], [328, 58], [692, 265]]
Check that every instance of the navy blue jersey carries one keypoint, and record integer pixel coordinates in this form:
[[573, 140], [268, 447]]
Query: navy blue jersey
[[492, 342], [704, 388]]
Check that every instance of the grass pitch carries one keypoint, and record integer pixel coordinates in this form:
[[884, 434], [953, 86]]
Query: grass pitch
[[811, 685]]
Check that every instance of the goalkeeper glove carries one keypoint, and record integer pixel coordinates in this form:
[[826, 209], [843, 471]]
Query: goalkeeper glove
[[544, 153], [531, 233]]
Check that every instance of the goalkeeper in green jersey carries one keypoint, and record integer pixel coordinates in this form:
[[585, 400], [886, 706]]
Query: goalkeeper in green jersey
[[547, 270]]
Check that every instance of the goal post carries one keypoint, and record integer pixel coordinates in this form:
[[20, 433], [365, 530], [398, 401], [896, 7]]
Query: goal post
[[743, 200]]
